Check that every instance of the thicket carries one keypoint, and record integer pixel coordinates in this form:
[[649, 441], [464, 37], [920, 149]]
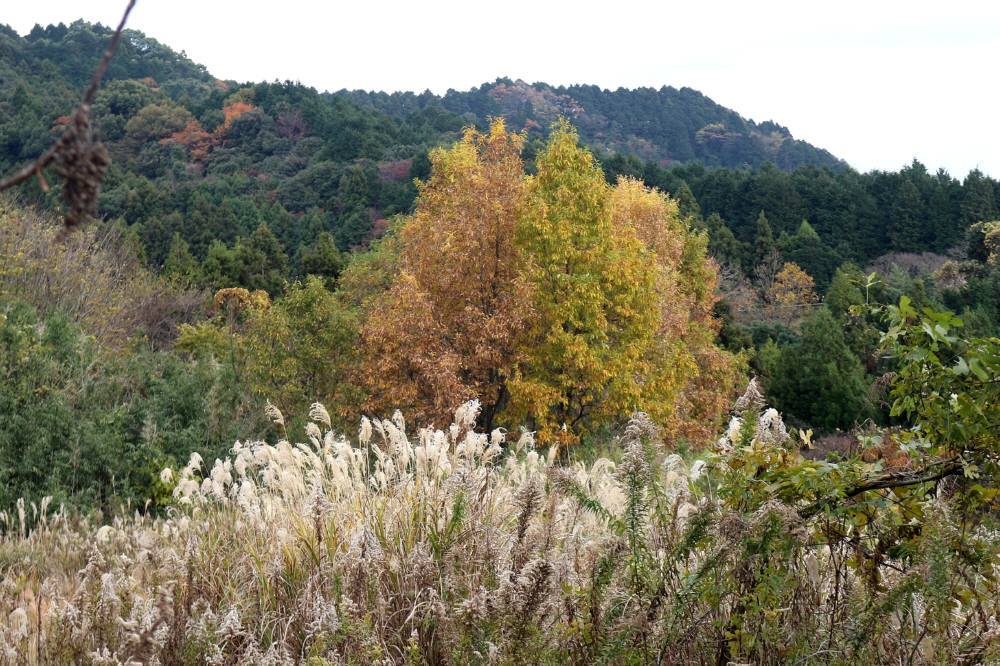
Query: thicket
[[93, 400]]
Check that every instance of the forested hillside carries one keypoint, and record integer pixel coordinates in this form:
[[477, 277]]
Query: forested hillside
[[666, 125], [210, 161]]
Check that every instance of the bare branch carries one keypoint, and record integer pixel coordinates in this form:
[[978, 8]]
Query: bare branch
[[29, 170]]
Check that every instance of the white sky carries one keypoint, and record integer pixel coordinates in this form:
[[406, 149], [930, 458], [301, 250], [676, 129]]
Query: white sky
[[876, 82]]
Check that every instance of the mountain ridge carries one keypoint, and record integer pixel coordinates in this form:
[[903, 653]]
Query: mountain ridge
[[667, 125], [672, 125]]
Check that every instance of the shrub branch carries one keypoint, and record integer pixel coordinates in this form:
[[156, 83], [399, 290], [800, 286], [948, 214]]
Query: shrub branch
[[932, 472]]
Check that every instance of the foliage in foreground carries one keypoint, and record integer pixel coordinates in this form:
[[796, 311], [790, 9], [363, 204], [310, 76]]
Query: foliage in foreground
[[453, 546]]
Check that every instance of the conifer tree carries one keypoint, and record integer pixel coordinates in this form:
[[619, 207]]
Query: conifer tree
[[764, 243], [979, 202], [689, 207], [819, 380], [323, 259], [181, 266], [844, 290], [907, 222], [261, 261], [808, 250], [220, 270], [723, 244]]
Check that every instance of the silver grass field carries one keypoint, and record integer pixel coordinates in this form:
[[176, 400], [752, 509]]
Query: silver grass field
[[453, 546]]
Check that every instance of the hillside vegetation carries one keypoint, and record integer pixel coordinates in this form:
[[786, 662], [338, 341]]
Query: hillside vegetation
[[666, 125], [670, 411]]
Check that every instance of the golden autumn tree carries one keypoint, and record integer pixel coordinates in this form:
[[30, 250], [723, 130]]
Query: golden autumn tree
[[691, 380], [593, 285], [792, 292], [560, 302], [452, 323]]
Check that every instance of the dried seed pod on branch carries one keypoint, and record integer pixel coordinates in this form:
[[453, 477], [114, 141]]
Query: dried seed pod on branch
[[79, 158]]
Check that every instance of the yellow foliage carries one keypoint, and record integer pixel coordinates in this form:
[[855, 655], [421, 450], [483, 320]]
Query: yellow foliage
[[792, 291], [694, 379], [237, 300], [555, 299]]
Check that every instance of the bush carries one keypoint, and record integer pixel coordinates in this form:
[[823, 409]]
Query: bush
[[93, 430]]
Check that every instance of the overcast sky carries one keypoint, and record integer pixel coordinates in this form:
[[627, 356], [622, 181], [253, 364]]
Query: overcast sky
[[876, 82]]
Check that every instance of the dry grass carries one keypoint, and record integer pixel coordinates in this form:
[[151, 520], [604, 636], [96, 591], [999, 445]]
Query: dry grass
[[451, 546]]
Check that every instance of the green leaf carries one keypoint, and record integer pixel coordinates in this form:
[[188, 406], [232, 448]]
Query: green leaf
[[977, 369]]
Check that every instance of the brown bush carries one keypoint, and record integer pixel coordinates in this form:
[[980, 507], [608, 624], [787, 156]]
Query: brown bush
[[93, 276]]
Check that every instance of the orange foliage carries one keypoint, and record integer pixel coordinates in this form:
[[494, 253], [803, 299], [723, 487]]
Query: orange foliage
[[454, 318], [233, 111], [194, 138], [888, 450]]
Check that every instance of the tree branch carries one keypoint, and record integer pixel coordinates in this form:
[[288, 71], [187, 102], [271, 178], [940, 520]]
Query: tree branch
[[933, 472]]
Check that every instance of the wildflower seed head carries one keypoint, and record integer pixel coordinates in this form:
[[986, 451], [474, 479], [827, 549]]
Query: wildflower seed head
[[466, 414], [752, 399], [771, 429], [365, 432], [314, 434], [527, 499], [318, 413], [274, 414], [696, 470]]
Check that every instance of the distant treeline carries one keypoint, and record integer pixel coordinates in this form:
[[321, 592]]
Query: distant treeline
[[207, 163]]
